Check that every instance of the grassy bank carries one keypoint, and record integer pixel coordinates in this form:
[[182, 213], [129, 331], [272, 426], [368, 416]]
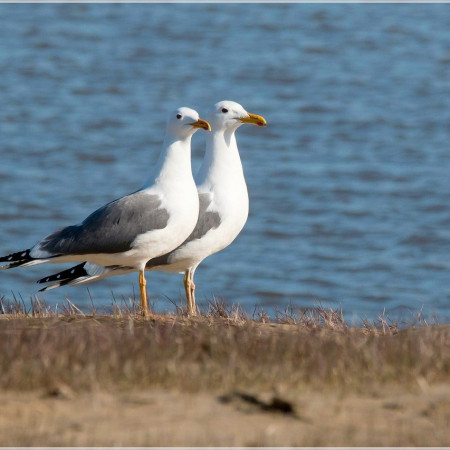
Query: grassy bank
[[220, 349], [289, 371]]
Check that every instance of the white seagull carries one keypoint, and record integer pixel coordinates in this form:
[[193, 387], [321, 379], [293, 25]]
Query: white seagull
[[128, 232], [224, 206]]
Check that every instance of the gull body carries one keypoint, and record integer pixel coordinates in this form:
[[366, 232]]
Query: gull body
[[128, 232], [224, 205]]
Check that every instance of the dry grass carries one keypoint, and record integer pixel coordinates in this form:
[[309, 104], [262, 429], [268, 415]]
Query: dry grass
[[219, 349]]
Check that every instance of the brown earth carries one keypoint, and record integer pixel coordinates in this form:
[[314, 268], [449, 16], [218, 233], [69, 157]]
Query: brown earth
[[389, 417]]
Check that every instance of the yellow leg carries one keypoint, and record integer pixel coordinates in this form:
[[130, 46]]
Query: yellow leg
[[192, 288], [142, 284], [189, 288], [186, 289]]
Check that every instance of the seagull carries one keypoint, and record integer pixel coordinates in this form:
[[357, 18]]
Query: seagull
[[224, 205], [128, 232]]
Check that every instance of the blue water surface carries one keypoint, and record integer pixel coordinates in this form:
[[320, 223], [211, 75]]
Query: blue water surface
[[349, 184]]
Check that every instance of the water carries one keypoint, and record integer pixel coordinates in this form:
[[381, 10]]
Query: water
[[349, 185]]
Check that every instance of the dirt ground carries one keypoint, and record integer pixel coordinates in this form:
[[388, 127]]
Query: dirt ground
[[390, 417]]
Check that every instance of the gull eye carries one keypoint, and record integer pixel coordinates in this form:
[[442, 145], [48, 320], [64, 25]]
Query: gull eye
[[179, 116], [224, 110]]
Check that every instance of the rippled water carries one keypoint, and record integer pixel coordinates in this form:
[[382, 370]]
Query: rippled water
[[349, 184]]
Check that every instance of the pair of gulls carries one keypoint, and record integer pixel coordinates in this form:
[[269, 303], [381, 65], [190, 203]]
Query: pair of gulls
[[172, 223]]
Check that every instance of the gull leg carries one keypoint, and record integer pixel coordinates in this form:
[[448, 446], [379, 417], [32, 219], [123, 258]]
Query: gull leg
[[189, 288], [192, 289], [142, 284]]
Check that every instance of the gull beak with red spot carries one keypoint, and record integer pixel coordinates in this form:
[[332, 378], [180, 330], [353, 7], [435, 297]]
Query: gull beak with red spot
[[203, 124], [254, 119]]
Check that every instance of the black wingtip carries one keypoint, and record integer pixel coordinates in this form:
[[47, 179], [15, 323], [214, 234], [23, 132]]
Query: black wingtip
[[53, 286], [16, 259], [66, 276]]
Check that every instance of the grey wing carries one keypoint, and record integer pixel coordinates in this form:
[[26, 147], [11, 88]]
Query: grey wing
[[207, 220], [110, 229]]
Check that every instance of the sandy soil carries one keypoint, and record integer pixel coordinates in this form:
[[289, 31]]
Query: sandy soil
[[390, 417]]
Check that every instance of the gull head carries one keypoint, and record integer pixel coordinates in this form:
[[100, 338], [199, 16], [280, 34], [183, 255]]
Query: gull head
[[228, 116], [184, 122]]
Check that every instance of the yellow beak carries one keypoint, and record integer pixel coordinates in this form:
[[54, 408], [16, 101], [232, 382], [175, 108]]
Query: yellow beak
[[254, 119], [203, 124]]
